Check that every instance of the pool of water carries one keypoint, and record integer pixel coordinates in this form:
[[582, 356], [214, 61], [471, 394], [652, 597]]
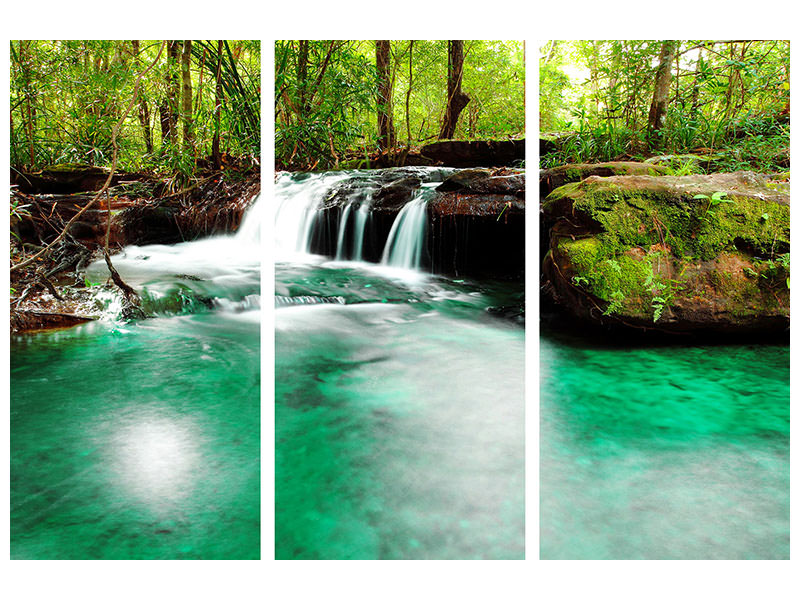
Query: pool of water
[[138, 440], [399, 415], [664, 451], [141, 440]]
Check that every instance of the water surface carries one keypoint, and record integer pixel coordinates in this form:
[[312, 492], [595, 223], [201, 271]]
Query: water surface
[[141, 440], [663, 452]]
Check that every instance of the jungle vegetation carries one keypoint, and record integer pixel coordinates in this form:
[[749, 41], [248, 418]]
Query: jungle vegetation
[[724, 101], [340, 101], [198, 106]]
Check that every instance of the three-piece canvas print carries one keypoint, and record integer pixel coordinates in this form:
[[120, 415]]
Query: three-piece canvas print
[[655, 260]]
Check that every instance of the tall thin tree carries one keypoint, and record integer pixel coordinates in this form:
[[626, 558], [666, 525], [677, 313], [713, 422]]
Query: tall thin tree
[[144, 110], [215, 153], [658, 107], [186, 96], [457, 100], [384, 94]]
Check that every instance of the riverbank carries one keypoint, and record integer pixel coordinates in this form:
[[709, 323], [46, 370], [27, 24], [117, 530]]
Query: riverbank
[[54, 292]]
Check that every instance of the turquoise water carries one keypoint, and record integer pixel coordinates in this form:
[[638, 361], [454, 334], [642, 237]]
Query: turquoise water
[[138, 440], [399, 416], [141, 440], [663, 452]]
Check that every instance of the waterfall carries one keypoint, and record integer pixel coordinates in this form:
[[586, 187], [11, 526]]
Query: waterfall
[[362, 218], [223, 270], [342, 231], [407, 237], [296, 209], [332, 214]]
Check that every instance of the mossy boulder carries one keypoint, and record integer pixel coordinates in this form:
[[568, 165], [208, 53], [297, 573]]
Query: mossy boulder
[[682, 254], [550, 179]]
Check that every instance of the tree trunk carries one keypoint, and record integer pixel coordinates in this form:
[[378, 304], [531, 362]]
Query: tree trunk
[[456, 99], [384, 99], [144, 110], [168, 108], [188, 132], [29, 106], [302, 78], [408, 91], [215, 154], [658, 108]]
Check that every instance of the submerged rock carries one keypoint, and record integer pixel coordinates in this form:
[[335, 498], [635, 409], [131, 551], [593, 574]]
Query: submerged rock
[[677, 254]]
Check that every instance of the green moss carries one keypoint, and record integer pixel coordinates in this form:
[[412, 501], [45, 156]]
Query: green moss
[[635, 217], [628, 285], [582, 254]]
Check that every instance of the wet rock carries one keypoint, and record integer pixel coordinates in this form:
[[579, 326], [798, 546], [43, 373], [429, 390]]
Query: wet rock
[[485, 181], [660, 253], [477, 224], [395, 195], [28, 320]]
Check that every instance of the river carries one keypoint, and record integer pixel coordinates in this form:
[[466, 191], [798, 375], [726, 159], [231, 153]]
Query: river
[[399, 394]]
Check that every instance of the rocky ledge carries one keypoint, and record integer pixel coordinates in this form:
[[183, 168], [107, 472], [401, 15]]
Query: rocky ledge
[[476, 217], [674, 254]]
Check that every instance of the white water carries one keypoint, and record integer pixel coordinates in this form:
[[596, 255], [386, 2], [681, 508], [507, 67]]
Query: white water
[[226, 268], [407, 237], [362, 218], [295, 210], [359, 222], [342, 231], [299, 200]]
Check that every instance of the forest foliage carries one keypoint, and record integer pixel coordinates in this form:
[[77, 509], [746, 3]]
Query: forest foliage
[[200, 103], [339, 100], [725, 100]]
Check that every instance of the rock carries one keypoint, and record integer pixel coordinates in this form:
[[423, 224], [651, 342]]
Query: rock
[[30, 320], [63, 179], [550, 179], [646, 252], [480, 153], [477, 235], [393, 196], [485, 181], [674, 159]]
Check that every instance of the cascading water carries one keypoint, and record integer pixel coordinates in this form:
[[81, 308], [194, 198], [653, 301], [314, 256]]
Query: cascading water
[[362, 220], [297, 209], [355, 218], [399, 399], [407, 237], [141, 440], [223, 270]]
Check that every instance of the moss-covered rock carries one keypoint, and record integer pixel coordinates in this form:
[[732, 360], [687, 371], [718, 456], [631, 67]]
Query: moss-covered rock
[[701, 252], [550, 179]]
